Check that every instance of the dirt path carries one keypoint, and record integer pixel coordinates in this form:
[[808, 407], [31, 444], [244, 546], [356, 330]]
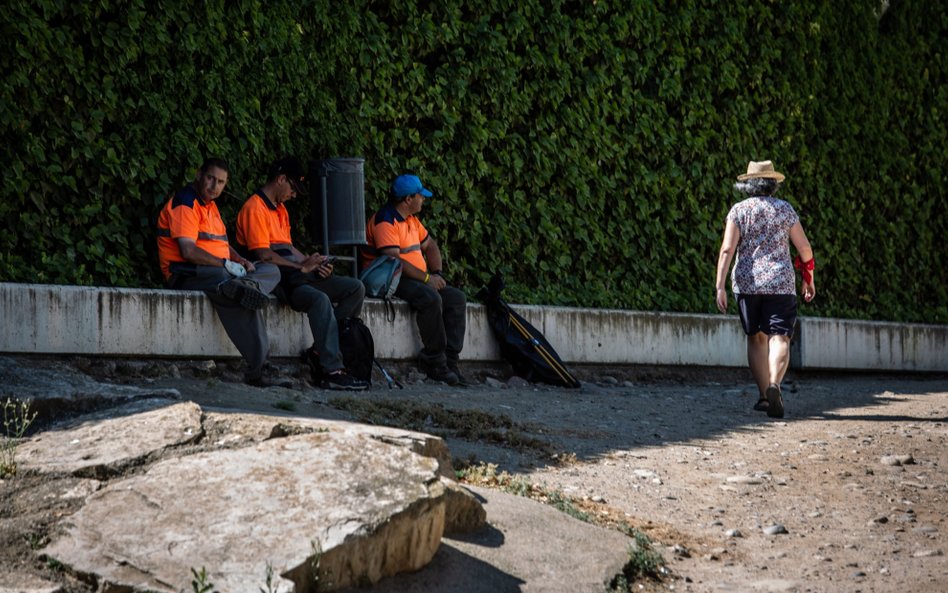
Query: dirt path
[[856, 474]]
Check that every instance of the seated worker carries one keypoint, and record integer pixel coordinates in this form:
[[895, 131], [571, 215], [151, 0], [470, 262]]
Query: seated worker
[[441, 309], [195, 255], [263, 230]]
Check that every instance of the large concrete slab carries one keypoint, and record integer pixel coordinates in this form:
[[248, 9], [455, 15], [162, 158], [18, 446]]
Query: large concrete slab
[[238, 426], [528, 547], [362, 508], [104, 444], [52, 319]]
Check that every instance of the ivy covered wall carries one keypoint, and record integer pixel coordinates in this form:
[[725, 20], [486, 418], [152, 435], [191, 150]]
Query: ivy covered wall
[[586, 149]]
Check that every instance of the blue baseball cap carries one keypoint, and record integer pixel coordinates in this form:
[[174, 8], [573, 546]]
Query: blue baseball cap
[[408, 185]]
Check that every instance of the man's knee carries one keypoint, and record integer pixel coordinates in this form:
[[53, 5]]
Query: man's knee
[[453, 297], [311, 300], [427, 299], [355, 289]]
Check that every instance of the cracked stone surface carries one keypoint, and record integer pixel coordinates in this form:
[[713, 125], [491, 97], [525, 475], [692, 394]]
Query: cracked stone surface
[[105, 443], [372, 509]]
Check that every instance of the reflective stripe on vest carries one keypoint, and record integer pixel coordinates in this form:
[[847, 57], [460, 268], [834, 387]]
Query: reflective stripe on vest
[[210, 237]]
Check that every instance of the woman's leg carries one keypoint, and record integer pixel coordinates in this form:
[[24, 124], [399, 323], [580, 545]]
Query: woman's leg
[[758, 357], [779, 358]]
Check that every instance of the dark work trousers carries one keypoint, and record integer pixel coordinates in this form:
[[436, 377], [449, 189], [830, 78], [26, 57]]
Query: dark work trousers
[[441, 316], [326, 301], [245, 327]]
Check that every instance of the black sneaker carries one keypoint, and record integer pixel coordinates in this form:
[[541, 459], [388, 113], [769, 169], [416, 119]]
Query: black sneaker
[[342, 381], [774, 401], [246, 292]]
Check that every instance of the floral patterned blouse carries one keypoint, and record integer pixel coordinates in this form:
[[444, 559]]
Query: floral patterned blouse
[[763, 252]]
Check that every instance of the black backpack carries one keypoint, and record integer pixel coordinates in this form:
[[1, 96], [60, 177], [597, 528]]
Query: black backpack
[[357, 348], [521, 344]]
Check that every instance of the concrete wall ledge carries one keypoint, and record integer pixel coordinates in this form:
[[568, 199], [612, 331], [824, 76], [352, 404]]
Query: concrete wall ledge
[[57, 319]]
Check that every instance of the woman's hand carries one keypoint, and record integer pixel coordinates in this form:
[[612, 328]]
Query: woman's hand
[[721, 299], [809, 291]]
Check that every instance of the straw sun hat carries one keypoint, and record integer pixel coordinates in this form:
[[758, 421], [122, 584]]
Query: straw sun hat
[[759, 170]]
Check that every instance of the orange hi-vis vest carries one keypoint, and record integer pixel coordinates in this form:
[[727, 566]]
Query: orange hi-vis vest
[[263, 224], [388, 229], [187, 216]]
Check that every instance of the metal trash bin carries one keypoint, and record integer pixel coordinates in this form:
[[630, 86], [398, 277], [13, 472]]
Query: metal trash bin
[[337, 209], [337, 187]]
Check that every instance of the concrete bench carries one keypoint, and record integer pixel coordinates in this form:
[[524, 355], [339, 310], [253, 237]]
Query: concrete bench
[[55, 319]]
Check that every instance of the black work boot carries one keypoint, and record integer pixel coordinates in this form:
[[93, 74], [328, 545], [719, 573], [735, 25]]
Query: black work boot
[[311, 358], [442, 373], [453, 367]]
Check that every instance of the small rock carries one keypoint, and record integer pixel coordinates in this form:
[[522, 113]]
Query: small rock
[[734, 533], [518, 382], [879, 520], [494, 383], [775, 530], [927, 553], [680, 551], [906, 518], [205, 368], [644, 474], [609, 380], [598, 499], [896, 460], [750, 480], [859, 574]]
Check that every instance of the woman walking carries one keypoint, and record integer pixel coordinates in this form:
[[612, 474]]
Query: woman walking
[[759, 230]]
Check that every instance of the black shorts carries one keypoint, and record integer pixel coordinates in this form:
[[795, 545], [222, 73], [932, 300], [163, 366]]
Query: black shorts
[[773, 314]]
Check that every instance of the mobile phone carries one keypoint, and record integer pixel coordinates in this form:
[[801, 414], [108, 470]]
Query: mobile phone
[[329, 261]]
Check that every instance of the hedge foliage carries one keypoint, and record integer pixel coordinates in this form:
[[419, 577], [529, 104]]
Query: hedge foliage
[[586, 149]]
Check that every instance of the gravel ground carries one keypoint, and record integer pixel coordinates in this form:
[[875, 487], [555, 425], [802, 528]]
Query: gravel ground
[[847, 493]]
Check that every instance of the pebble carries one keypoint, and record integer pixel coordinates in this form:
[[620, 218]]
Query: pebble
[[598, 499], [896, 460], [906, 518], [775, 530], [751, 480], [927, 553], [882, 519], [681, 551], [734, 533], [493, 383], [644, 473], [517, 382]]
